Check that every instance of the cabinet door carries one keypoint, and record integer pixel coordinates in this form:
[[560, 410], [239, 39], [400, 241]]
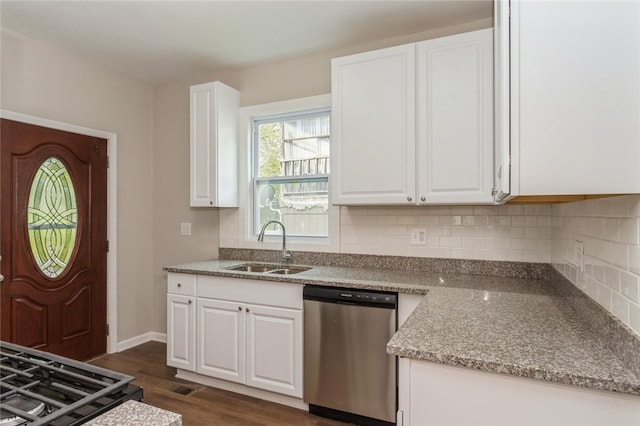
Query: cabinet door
[[373, 127], [181, 326], [221, 339], [274, 349], [575, 97], [455, 119], [214, 145]]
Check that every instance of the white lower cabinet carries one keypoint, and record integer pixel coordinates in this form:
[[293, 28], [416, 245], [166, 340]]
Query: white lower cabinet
[[274, 349], [181, 321], [241, 331], [260, 346], [221, 339], [436, 394]]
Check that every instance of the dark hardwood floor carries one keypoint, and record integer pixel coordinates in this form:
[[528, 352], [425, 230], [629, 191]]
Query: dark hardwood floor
[[199, 404]]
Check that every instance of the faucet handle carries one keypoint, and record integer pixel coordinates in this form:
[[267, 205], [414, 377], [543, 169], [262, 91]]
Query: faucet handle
[[287, 256]]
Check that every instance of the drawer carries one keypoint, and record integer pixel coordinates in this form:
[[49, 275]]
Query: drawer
[[181, 284]]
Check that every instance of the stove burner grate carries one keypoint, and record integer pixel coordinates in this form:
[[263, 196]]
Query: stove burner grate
[[59, 387]]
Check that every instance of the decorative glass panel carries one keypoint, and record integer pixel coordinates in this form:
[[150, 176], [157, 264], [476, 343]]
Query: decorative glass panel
[[52, 217]]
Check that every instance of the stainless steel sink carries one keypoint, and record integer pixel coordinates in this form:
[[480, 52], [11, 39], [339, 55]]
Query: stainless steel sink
[[268, 268], [288, 271]]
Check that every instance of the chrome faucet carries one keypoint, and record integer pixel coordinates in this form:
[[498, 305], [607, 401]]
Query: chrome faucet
[[286, 254]]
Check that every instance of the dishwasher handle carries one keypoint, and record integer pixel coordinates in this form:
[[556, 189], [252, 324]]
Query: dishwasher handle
[[371, 298]]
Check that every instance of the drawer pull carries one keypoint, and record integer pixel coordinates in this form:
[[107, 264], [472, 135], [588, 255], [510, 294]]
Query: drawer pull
[[179, 285]]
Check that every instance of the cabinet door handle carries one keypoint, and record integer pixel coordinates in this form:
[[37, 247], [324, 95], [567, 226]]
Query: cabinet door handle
[[423, 198], [409, 198], [239, 308], [179, 285], [190, 302], [247, 309]]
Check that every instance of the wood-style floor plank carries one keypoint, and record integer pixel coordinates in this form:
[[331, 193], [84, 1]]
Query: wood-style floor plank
[[199, 404]]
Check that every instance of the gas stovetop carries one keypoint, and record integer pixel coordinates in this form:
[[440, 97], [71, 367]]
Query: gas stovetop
[[39, 388]]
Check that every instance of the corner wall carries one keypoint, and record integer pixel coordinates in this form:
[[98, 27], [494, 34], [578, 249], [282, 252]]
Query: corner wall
[[609, 228]]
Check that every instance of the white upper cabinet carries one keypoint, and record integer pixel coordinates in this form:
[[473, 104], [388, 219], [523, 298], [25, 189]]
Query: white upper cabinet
[[413, 124], [574, 94], [373, 127], [214, 145], [455, 119]]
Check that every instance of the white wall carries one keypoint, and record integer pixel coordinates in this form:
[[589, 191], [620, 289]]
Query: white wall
[[45, 82], [271, 82]]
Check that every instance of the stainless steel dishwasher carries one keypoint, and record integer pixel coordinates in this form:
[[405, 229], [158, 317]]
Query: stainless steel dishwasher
[[348, 374]]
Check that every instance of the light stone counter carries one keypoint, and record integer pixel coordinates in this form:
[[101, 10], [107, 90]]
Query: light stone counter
[[134, 413], [528, 335], [503, 317]]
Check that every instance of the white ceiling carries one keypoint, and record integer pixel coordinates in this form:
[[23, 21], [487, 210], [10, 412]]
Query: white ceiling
[[160, 41]]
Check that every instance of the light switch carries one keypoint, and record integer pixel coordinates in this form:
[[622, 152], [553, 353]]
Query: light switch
[[185, 229]]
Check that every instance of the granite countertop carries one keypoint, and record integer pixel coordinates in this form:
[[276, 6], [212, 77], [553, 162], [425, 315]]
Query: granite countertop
[[517, 326], [409, 282], [533, 335], [134, 413]]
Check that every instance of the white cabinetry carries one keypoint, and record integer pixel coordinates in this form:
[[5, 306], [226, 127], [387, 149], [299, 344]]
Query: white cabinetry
[[181, 325], [438, 391], [413, 124], [250, 332], [574, 93], [214, 145], [221, 340]]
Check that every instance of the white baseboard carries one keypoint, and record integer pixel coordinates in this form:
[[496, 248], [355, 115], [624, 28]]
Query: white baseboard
[[143, 338]]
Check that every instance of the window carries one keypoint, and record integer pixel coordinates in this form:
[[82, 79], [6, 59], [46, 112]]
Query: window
[[291, 172]]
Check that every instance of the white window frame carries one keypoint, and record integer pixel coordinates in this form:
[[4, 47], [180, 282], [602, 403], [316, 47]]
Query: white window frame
[[246, 237]]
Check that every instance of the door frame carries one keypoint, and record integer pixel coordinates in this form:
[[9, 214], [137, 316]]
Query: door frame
[[112, 223]]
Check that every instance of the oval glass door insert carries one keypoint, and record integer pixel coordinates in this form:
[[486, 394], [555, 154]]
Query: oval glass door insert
[[52, 217]]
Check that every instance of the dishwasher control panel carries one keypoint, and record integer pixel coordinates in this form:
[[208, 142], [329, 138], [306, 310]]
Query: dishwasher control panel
[[351, 296]]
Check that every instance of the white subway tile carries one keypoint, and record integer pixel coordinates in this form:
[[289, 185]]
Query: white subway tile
[[428, 220], [603, 296], [620, 307], [634, 317], [475, 243], [462, 253], [462, 210], [511, 255], [591, 287], [612, 229], [450, 242], [634, 259], [612, 277], [629, 230], [630, 286], [462, 231], [407, 220]]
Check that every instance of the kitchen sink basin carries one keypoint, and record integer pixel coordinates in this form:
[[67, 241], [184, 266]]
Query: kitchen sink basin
[[288, 271], [273, 268]]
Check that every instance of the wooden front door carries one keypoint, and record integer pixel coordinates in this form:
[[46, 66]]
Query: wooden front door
[[53, 226]]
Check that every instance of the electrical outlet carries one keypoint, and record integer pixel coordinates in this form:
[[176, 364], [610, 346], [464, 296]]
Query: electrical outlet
[[418, 237], [185, 229], [578, 248]]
